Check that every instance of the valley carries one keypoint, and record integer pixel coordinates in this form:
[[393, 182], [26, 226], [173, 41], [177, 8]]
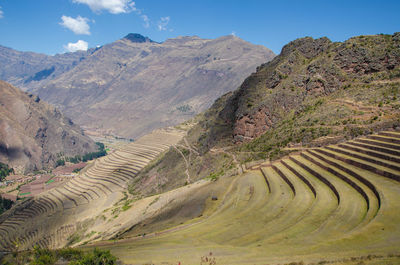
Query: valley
[[200, 150], [51, 218], [134, 85]]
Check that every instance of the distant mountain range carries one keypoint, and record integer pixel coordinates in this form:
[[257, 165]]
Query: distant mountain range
[[134, 85], [33, 133], [28, 70]]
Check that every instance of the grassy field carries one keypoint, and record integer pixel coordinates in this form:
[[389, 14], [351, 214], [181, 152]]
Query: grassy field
[[338, 204]]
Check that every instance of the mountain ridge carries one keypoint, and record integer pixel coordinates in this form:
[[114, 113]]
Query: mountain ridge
[[149, 85]]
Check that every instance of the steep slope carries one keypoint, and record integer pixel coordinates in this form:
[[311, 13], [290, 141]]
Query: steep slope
[[363, 70], [33, 133], [313, 88], [314, 93], [134, 85], [28, 70]]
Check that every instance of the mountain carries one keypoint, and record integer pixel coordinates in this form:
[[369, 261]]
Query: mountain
[[315, 93], [33, 133], [135, 37], [335, 88], [28, 70], [270, 173], [134, 85]]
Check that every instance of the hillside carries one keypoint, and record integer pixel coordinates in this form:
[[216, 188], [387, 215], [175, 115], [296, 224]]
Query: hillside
[[33, 133], [319, 76], [314, 93], [330, 205], [134, 85]]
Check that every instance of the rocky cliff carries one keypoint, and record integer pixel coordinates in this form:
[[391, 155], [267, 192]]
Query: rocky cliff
[[33, 133], [317, 75]]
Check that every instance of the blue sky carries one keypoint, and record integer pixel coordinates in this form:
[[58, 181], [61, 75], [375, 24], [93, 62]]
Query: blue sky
[[48, 26]]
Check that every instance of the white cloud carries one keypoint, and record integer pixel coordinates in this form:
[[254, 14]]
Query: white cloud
[[1, 13], [112, 6], [162, 23], [77, 25], [146, 21], [80, 45], [115, 7]]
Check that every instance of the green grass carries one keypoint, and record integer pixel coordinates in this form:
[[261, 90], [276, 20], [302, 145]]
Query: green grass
[[50, 181], [40, 256]]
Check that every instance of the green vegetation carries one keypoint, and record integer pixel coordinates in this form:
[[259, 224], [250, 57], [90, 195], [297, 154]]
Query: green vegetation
[[96, 257], [89, 156], [5, 170], [70, 256], [215, 175], [60, 162], [50, 181], [5, 204], [77, 170], [184, 108], [127, 205], [74, 238]]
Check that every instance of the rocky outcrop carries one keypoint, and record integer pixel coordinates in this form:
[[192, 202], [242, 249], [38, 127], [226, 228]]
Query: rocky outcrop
[[305, 69], [248, 127], [359, 56], [33, 133]]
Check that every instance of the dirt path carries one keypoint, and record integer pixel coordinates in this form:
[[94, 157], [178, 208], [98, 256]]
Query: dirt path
[[188, 179], [239, 166], [192, 151]]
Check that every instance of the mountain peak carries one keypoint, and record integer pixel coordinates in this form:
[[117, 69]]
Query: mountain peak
[[138, 38]]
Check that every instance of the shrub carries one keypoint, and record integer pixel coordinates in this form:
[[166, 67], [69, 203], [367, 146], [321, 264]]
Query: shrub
[[97, 257], [43, 256], [215, 176], [89, 156], [60, 162], [76, 170], [5, 170], [5, 204], [69, 253], [126, 205], [69, 256]]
